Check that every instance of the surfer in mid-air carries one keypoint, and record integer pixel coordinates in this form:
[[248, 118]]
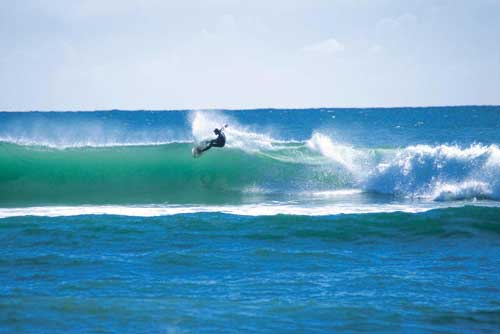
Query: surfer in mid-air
[[220, 141]]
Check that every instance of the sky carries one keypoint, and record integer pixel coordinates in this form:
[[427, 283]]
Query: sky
[[221, 54]]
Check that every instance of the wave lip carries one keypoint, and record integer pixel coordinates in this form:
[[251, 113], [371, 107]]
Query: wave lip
[[85, 144]]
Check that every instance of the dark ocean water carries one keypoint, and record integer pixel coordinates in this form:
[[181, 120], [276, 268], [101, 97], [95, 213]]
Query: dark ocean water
[[309, 221]]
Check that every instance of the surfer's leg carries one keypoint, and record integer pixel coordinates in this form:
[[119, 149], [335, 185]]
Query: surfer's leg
[[217, 142], [209, 146]]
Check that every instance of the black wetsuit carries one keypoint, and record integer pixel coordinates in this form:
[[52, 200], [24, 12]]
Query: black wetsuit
[[220, 141]]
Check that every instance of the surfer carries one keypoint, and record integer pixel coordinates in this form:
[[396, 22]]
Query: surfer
[[220, 141]]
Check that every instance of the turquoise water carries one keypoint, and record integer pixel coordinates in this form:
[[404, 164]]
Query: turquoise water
[[332, 220]]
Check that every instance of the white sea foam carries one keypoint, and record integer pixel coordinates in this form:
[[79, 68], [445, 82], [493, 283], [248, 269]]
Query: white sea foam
[[333, 193], [263, 209], [439, 172], [459, 191]]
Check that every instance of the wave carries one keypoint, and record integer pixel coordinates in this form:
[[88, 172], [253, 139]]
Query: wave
[[253, 167], [33, 175]]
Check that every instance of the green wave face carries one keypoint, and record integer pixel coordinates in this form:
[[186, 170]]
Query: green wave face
[[149, 174]]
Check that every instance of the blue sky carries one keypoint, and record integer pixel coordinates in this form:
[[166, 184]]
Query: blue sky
[[87, 55]]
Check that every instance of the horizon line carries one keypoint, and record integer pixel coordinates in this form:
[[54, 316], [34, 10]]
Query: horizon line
[[256, 109]]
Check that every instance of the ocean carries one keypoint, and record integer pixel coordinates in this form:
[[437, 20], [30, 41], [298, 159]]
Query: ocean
[[308, 221]]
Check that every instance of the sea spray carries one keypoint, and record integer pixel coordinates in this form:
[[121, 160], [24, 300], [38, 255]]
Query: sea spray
[[440, 172]]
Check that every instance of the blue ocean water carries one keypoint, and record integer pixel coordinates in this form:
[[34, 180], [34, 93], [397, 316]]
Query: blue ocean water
[[318, 220]]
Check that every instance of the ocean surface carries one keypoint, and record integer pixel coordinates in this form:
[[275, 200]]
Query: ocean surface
[[308, 221]]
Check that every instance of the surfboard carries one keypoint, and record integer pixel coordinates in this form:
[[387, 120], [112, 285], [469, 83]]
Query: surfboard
[[197, 150]]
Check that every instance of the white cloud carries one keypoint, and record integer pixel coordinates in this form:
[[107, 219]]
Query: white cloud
[[328, 46]]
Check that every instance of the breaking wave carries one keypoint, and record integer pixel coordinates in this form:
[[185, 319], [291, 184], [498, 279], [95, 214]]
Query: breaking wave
[[254, 165], [440, 173]]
